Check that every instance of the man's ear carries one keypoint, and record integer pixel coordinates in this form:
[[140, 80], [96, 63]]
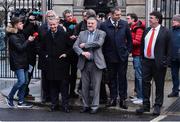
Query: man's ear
[[157, 19]]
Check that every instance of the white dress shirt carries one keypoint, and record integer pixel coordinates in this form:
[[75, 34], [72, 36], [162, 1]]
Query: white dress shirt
[[147, 39]]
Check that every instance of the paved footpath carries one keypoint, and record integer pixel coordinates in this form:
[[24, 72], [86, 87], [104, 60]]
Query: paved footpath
[[76, 103]]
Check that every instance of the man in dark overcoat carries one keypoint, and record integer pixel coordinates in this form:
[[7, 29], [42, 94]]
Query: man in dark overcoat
[[55, 51], [42, 32]]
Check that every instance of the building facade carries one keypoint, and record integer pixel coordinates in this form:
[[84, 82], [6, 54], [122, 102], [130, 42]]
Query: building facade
[[136, 6]]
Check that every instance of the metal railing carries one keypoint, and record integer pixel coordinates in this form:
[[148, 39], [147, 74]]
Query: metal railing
[[168, 9], [17, 5]]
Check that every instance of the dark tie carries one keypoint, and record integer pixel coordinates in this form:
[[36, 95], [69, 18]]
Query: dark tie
[[150, 43], [53, 34], [90, 39], [115, 24]]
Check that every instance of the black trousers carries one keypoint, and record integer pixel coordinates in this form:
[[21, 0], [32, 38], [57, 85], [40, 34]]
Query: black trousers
[[45, 86], [118, 80], [73, 74], [149, 72], [103, 93], [56, 87]]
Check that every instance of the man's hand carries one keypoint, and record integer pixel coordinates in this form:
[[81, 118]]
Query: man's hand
[[72, 37], [86, 54], [31, 38], [63, 56], [82, 45]]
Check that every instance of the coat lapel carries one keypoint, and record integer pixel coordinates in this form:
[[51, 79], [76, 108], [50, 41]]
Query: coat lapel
[[86, 36], [50, 35], [159, 35], [95, 35], [54, 39]]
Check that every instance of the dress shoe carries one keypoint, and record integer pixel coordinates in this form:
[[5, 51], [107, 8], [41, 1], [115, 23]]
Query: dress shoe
[[54, 108], [142, 110], [122, 104], [111, 103], [157, 110], [93, 111], [85, 109], [66, 109], [173, 94]]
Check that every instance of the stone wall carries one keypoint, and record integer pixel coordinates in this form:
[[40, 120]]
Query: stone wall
[[136, 6], [60, 5]]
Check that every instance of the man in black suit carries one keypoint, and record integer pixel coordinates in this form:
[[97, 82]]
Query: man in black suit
[[155, 50], [116, 49]]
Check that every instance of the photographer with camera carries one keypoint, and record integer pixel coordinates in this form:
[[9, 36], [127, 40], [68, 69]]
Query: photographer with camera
[[30, 27]]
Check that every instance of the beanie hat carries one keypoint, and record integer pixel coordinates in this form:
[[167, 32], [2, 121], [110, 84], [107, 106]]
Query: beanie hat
[[176, 18]]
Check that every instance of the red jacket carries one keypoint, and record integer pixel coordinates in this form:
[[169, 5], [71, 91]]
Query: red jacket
[[137, 30]]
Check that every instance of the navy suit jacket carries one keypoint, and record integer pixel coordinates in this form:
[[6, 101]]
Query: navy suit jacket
[[118, 41]]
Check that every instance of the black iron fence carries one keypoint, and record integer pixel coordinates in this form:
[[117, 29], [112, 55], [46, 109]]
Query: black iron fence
[[15, 6], [33, 4], [168, 9]]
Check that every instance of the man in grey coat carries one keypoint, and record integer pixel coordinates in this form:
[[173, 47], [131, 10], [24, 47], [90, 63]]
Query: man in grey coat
[[91, 62]]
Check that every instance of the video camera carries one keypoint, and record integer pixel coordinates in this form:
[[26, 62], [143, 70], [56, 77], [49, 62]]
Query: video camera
[[24, 13]]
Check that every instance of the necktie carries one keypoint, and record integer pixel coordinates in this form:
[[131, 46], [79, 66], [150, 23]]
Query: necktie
[[90, 39], [53, 34], [150, 43], [115, 24]]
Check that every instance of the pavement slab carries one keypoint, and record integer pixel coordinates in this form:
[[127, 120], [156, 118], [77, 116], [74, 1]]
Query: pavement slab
[[35, 90]]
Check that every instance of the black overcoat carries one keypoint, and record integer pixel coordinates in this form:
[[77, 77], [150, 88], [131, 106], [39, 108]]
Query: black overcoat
[[56, 68]]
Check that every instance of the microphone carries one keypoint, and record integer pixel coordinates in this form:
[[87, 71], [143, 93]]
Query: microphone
[[35, 34]]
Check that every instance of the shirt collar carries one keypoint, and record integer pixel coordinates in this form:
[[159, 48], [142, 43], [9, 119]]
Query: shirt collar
[[157, 28], [112, 21], [92, 32]]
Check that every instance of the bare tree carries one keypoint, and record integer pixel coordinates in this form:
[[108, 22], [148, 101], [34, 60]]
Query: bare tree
[[6, 4]]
